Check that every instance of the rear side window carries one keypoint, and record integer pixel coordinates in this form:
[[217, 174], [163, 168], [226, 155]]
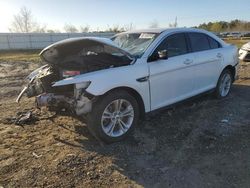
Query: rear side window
[[213, 43], [174, 44], [199, 42]]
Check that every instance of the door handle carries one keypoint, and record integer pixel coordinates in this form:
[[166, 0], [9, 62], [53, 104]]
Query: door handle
[[188, 62], [219, 55]]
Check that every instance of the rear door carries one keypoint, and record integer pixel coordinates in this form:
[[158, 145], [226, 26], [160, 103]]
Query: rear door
[[172, 79], [208, 58]]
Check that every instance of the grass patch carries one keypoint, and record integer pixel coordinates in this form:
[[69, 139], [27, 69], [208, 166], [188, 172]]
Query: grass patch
[[20, 55], [236, 42]]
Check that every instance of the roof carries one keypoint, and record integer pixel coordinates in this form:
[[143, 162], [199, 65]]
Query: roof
[[151, 30], [161, 30]]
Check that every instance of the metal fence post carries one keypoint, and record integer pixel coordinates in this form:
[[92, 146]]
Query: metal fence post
[[8, 41], [30, 41], [51, 41]]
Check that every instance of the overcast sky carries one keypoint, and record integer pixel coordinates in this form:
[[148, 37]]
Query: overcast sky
[[101, 13]]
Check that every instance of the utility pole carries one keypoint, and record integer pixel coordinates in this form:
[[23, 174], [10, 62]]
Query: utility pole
[[175, 23]]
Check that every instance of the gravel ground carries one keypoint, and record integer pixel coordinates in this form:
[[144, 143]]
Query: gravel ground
[[201, 143]]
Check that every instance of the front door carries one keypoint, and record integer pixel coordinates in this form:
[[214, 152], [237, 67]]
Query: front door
[[171, 79]]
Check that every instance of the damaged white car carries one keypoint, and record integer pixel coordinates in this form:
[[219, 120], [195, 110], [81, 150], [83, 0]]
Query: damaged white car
[[114, 82], [244, 52]]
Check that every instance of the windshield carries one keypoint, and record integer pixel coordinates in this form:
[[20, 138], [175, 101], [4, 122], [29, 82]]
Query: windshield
[[134, 43]]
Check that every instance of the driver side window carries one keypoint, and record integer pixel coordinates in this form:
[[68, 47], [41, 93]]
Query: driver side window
[[174, 44]]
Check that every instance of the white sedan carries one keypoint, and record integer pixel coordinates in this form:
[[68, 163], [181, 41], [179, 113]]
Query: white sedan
[[244, 52], [115, 82]]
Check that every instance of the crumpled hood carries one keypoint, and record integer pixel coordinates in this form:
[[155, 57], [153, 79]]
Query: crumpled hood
[[246, 46], [68, 47]]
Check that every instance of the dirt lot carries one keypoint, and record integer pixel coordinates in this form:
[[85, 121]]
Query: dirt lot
[[201, 143]]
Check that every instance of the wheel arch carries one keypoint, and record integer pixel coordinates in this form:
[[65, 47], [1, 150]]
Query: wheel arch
[[135, 94], [231, 69]]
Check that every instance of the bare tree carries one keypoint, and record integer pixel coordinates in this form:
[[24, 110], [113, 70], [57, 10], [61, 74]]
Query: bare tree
[[23, 22], [129, 27], [154, 24], [40, 28], [53, 31], [85, 28], [115, 28], [175, 24], [69, 28]]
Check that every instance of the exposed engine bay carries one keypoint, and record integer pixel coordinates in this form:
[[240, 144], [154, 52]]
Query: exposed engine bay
[[69, 58]]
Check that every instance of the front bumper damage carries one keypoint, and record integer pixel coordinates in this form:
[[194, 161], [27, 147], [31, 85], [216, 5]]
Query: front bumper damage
[[71, 98], [53, 102], [80, 106]]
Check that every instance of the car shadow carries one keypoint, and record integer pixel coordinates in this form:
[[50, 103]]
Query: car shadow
[[183, 145]]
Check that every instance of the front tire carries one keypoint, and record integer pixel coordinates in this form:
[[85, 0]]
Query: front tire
[[113, 116], [224, 84]]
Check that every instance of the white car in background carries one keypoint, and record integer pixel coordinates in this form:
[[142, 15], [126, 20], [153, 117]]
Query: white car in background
[[114, 82], [244, 52], [235, 35]]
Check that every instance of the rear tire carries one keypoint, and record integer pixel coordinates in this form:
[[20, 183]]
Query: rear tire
[[224, 84], [113, 116]]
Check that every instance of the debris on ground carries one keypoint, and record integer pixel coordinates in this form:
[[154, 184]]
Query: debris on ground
[[29, 116], [35, 155], [22, 118], [224, 121]]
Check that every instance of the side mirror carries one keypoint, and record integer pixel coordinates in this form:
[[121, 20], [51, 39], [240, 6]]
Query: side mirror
[[163, 54]]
